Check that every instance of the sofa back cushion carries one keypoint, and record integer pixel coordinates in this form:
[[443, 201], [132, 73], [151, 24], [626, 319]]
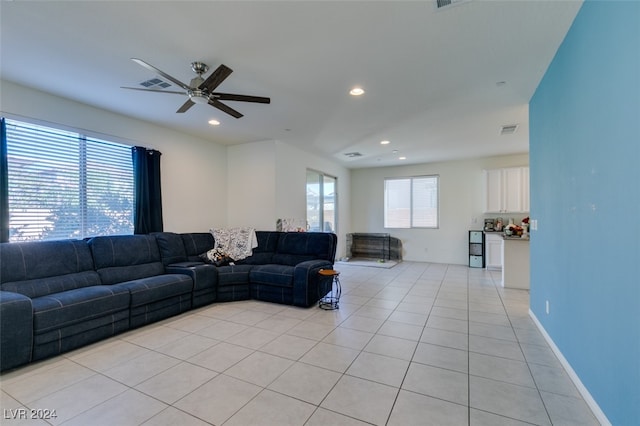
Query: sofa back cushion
[[126, 257], [296, 247], [44, 267], [171, 247], [267, 245], [196, 243]]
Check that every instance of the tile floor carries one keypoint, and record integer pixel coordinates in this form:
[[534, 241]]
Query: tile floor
[[418, 344]]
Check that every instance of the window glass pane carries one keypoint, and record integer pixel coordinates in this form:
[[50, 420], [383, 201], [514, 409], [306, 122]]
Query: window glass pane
[[328, 199], [321, 202], [425, 202], [313, 201], [411, 202], [64, 186], [397, 203]]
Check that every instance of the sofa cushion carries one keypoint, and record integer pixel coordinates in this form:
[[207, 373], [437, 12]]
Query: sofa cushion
[[263, 254], [196, 243], [151, 289], [296, 247], [171, 247], [66, 308], [39, 268], [126, 257], [273, 275]]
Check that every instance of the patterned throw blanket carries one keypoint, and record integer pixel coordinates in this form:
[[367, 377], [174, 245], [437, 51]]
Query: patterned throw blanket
[[237, 243]]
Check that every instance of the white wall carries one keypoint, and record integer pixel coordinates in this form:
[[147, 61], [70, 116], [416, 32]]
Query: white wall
[[461, 203], [193, 170], [267, 181]]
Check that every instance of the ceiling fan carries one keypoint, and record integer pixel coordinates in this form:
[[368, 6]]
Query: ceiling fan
[[201, 91]]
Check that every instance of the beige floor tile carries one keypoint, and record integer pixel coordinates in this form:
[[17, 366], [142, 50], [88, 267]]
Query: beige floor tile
[[449, 339], [222, 330], [415, 409], [437, 382], [349, 338], [306, 382], [80, 397], [331, 357], [508, 400], [322, 417], [443, 357], [43, 381], [291, 347], [566, 410], [482, 418], [117, 352], [127, 409], [192, 323], [249, 317], [173, 417], [379, 368], [272, 409], [502, 369], [252, 338], [187, 347], [391, 346], [141, 368], [259, 368], [278, 323], [362, 399], [176, 382], [221, 356], [218, 399], [403, 331], [496, 347], [155, 337], [311, 330]]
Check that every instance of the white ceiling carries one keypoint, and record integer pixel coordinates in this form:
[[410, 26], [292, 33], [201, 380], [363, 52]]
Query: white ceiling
[[430, 75]]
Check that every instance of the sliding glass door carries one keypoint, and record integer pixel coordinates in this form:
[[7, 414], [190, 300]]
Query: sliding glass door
[[321, 202]]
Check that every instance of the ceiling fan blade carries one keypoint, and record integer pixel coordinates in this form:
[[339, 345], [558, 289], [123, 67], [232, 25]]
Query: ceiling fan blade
[[155, 90], [162, 73], [222, 107], [216, 77], [241, 98], [185, 106]]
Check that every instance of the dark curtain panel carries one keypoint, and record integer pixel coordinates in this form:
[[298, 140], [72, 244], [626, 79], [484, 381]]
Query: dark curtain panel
[[147, 216], [4, 185]]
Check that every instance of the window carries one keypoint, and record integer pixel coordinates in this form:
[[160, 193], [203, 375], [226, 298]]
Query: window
[[65, 185], [411, 202], [321, 202]]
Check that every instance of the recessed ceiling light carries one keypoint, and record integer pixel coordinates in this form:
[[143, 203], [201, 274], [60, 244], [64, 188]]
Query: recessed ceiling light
[[402, 158], [356, 91], [214, 122], [385, 142]]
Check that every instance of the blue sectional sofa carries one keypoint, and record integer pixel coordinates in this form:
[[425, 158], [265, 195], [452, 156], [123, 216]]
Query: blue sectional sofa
[[59, 295]]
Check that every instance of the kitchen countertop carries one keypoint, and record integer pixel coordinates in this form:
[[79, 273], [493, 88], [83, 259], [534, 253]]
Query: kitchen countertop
[[510, 238]]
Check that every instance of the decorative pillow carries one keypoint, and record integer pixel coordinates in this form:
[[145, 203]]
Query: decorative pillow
[[216, 257]]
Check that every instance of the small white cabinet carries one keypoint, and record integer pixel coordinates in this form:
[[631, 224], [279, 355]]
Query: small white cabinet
[[493, 250], [506, 190]]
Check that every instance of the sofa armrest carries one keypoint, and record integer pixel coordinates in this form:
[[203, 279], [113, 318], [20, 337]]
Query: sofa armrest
[[16, 329], [203, 275], [305, 281]]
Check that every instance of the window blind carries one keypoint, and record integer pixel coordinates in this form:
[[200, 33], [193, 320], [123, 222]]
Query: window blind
[[65, 185]]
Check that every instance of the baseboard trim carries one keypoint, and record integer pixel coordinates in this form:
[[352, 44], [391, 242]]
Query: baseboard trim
[[593, 405]]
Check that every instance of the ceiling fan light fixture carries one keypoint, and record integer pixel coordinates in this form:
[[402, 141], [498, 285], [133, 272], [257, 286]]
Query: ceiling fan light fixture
[[385, 142], [356, 91], [214, 122]]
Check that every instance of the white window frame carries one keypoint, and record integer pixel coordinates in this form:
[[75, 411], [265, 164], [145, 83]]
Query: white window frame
[[402, 206]]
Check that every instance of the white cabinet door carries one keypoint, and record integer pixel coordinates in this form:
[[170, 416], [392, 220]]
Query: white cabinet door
[[493, 251], [512, 194], [493, 191], [506, 190]]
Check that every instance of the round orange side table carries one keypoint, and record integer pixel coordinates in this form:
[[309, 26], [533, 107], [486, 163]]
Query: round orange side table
[[330, 300]]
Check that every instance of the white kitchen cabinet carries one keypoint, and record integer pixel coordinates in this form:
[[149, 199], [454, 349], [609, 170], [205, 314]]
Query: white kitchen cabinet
[[493, 250], [506, 190]]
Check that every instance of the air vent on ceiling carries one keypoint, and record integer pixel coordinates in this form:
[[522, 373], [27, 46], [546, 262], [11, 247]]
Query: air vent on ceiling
[[443, 4], [508, 129], [155, 83], [353, 154]]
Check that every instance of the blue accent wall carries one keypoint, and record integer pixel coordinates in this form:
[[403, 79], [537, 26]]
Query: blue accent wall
[[585, 194]]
